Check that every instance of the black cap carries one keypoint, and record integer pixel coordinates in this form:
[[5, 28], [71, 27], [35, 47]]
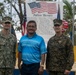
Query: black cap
[[57, 22]]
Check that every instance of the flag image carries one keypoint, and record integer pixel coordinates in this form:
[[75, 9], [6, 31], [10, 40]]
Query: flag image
[[52, 9], [43, 6], [24, 23], [34, 6]]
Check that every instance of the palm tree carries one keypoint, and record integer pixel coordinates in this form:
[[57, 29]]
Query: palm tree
[[68, 15]]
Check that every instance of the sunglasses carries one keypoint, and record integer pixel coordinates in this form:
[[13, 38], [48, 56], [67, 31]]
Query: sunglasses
[[7, 23], [56, 25]]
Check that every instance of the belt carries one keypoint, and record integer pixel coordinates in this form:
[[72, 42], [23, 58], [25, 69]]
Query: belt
[[30, 64]]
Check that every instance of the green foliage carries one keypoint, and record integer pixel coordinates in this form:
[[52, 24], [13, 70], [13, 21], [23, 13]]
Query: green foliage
[[1, 9], [68, 15], [68, 9], [18, 6]]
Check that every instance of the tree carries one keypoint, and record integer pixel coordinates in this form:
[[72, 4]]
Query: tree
[[68, 15], [1, 10], [18, 6]]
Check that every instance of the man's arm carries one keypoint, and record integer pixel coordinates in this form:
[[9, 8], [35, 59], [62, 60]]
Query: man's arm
[[14, 49], [70, 56], [41, 69], [42, 60], [19, 59]]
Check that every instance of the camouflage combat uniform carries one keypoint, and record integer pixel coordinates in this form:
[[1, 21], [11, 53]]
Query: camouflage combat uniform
[[60, 55], [7, 54]]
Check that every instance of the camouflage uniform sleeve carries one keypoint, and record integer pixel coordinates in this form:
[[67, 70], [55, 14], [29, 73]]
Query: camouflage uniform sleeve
[[47, 57], [69, 54], [14, 49]]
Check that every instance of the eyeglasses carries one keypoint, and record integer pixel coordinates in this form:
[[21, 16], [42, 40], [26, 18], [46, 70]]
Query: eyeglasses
[[7, 23]]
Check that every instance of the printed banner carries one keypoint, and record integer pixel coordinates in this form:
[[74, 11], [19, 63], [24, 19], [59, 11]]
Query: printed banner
[[44, 12]]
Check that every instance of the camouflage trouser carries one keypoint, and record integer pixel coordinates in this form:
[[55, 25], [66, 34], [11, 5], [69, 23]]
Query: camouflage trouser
[[6, 71], [56, 73]]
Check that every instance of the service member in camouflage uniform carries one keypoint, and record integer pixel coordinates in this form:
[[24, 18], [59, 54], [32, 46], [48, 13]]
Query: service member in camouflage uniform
[[60, 57], [7, 48]]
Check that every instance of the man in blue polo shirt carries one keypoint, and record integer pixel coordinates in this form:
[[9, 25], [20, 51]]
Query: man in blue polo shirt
[[32, 51]]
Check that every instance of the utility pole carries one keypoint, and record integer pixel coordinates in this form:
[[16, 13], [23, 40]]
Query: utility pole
[[73, 10]]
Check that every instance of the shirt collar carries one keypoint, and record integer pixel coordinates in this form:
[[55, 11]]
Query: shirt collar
[[31, 36]]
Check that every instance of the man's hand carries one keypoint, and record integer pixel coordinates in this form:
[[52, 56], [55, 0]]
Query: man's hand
[[41, 69], [66, 72], [19, 66]]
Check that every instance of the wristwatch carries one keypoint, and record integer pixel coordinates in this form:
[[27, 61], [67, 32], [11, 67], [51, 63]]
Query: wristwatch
[[42, 66]]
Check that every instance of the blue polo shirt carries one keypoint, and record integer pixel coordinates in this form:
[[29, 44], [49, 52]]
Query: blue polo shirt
[[31, 48]]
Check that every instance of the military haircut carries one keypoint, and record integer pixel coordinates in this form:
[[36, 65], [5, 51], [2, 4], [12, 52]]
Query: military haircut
[[32, 21]]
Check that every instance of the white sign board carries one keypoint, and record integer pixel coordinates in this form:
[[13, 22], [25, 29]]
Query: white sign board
[[43, 12]]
